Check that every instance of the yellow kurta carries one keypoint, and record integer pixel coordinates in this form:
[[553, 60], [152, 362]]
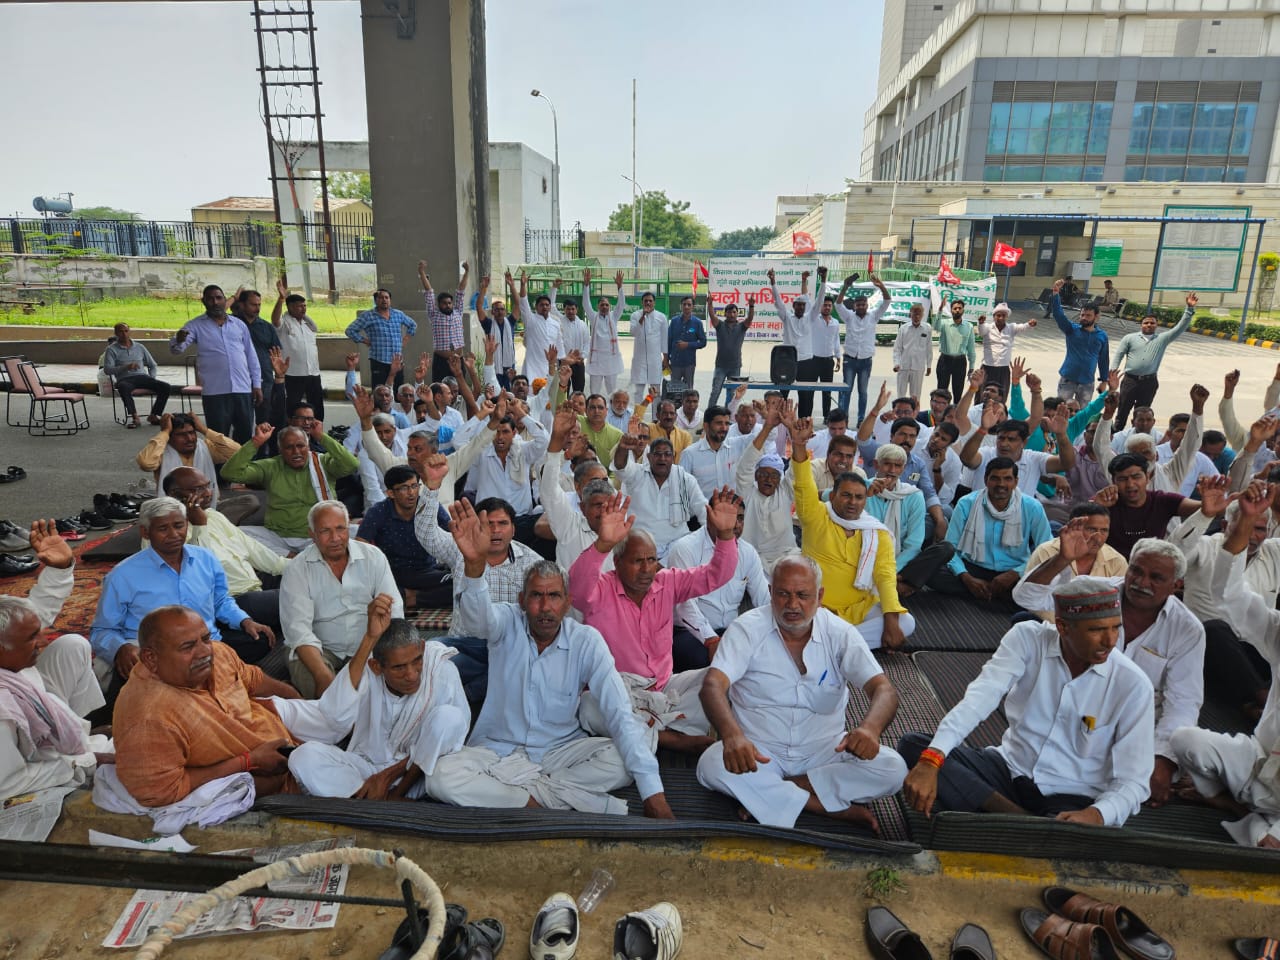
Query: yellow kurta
[[837, 554]]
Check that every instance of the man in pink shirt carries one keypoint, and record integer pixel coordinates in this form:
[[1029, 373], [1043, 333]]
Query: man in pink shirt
[[633, 607]]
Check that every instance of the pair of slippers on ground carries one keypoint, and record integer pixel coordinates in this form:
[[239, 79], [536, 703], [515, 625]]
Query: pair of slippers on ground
[[12, 475], [134, 424], [1077, 927]]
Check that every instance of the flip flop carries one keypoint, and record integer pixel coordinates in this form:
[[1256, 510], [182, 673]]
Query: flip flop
[[1064, 939], [474, 941], [1256, 948], [1123, 926]]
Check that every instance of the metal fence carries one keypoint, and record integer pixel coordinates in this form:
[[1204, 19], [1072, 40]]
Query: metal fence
[[652, 261], [552, 246], [139, 238]]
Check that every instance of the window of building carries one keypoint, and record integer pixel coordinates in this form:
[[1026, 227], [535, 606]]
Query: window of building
[[1049, 131], [1192, 139]]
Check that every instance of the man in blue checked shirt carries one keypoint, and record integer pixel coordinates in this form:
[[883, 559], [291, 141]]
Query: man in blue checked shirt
[[1087, 350], [380, 328]]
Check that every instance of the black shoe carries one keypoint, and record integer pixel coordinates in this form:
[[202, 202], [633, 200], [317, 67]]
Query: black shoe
[[71, 525], [113, 511], [12, 566], [127, 500], [93, 520]]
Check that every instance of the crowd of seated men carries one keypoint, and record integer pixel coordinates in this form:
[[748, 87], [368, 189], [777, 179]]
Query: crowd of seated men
[[597, 566]]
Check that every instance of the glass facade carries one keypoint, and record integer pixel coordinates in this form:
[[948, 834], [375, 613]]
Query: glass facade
[[1052, 140], [1186, 140], [928, 151]]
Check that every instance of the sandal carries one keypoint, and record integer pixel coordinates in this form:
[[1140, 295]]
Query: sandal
[[1256, 948], [403, 946], [1123, 926], [1064, 939]]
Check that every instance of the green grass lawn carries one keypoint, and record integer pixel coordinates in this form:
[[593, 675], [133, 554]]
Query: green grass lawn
[[148, 313]]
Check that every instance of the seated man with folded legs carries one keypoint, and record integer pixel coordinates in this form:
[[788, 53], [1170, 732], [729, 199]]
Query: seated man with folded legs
[[192, 713], [527, 748], [400, 702], [1240, 773], [633, 607], [776, 692], [1081, 740]]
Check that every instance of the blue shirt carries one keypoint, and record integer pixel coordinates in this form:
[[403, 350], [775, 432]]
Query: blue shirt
[[910, 525], [1086, 349], [227, 360], [144, 582], [693, 333], [394, 536], [385, 339], [1035, 531]]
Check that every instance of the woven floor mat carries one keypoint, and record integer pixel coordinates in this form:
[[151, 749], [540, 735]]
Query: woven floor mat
[[948, 674], [701, 814], [954, 623]]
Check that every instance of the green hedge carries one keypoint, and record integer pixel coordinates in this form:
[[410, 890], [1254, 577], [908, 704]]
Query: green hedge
[[1168, 316]]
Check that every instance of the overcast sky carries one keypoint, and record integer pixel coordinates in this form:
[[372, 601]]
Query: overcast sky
[[155, 107]]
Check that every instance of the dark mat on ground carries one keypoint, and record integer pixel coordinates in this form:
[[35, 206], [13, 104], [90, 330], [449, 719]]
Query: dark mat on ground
[[918, 710], [954, 623], [948, 674], [1176, 836], [118, 545], [700, 814]]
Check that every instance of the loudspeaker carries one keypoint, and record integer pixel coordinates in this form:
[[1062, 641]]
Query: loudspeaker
[[782, 364]]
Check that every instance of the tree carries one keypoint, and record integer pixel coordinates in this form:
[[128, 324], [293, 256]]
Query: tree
[[351, 184], [106, 213], [667, 223], [748, 238]]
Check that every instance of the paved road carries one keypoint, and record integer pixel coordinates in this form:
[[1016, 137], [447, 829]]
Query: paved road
[[64, 472]]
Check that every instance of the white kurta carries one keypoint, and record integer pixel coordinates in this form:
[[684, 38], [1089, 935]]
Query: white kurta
[[604, 358], [768, 524], [662, 511], [384, 727], [648, 344], [540, 333]]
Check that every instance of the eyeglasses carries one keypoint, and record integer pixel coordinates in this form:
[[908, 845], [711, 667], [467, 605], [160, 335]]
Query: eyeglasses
[[410, 487], [302, 419]]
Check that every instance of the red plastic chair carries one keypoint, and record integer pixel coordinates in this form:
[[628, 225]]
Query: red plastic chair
[[38, 425]]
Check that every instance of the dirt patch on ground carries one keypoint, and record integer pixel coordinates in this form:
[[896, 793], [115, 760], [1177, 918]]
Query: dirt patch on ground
[[736, 900]]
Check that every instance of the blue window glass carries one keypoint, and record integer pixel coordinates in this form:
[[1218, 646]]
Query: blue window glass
[[1018, 141], [1100, 130], [992, 172], [1060, 172], [1133, 173], [1242, 132], [1023, 172], [999, 130], [1235, 175], [1140, 128], [1205, 174], [1092, 173]]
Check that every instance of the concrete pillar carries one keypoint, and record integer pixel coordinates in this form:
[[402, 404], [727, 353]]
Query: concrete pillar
[[428, 146]]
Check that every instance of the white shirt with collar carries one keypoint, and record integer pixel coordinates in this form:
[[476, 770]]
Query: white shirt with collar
[[712, 469], [826, 334], [707, 615], [511, 481], [317, 610], [575, 333], [797, 331], [1118, 440], [788, 714], [913, 346], [690, 425], [1049, 739], [860, 332], [951, 470], [768, 524], [1261, 571], [663, 511], [997, 343], [1170, 652], [565, 515]]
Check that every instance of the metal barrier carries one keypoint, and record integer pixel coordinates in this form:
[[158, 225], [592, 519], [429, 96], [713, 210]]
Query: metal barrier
[[553, 246]]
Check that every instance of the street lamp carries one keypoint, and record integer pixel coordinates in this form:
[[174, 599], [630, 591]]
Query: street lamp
[[555, 177], [635, 206]]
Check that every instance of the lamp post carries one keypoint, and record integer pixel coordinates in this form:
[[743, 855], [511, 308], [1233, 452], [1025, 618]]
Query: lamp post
[[637, 206], [555, 174]]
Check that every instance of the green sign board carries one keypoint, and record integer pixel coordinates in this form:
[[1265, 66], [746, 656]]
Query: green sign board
[[1202, 256], [1106, 257]]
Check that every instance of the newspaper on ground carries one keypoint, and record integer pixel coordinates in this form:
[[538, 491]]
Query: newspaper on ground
[[149, 909], [32, 816], [172, 844]]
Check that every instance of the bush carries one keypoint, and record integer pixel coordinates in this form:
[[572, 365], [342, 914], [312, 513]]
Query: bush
[[1230, 326]]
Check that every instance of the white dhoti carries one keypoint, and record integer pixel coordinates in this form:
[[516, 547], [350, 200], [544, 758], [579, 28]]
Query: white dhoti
[[677, 706], [839, 780], [872, 626], [276, 543], [325, 770], [1218, 762], [576, 776], [603, 384], [66, 667], [910, 383]]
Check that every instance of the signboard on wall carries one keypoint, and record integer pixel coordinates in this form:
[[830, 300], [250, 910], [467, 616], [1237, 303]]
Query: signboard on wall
[[1198, 256], [1106, 257]]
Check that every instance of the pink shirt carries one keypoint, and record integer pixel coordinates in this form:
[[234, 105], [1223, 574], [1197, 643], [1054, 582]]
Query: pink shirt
[[640, 638]]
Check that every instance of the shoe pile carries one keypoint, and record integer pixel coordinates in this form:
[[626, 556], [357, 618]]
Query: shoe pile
[[462, 940], [12, 539], [109, 509]]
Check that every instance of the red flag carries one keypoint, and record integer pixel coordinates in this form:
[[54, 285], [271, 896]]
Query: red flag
[[802, 243], [871, 264], [1006, 255], [695, 278], [944, 272], [702, 269]]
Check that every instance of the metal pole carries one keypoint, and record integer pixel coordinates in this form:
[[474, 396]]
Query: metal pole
[[635, 237], [1253, 269], [324, 175], [1093, 239], [266, 122], [1155, 269], [942, 244], [911, 242], [1008, 274], [991, 244], [555, 132]]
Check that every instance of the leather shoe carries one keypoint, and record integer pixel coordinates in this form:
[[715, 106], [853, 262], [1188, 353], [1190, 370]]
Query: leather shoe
[[13, 566], [890, 939], [972, 943]]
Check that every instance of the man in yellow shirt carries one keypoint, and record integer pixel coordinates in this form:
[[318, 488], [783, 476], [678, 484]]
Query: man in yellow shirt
[[861, 578]]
